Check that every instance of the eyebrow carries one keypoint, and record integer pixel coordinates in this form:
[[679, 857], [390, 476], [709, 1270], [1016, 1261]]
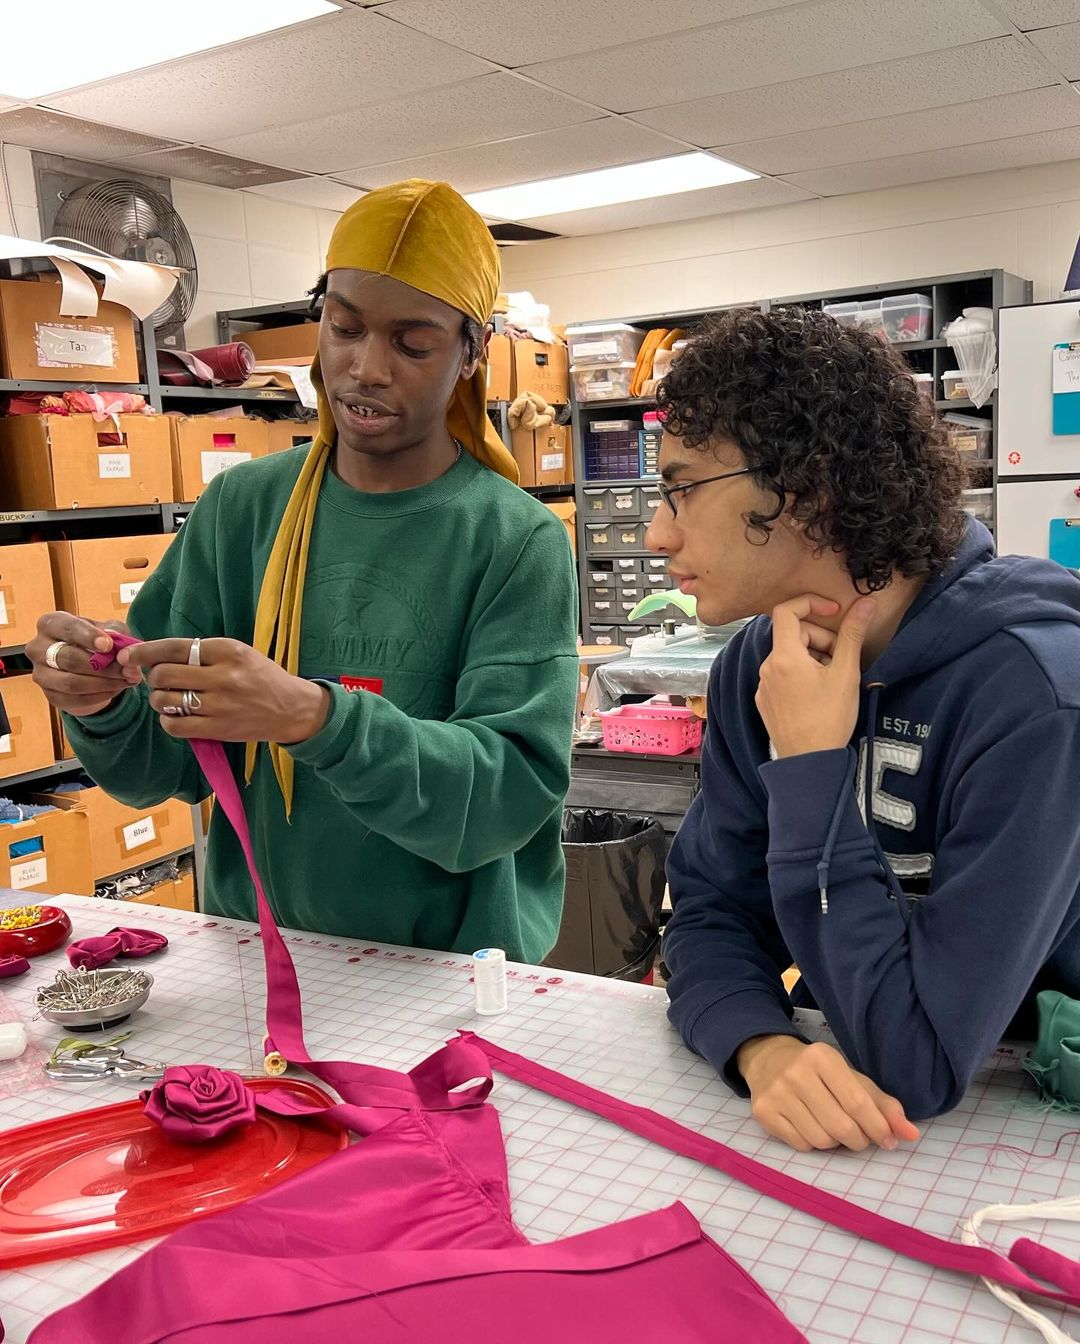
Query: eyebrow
[[673, 471], [405, 323]]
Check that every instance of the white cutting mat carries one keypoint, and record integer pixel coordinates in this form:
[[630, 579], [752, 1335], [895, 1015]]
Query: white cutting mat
[[570, 1171]]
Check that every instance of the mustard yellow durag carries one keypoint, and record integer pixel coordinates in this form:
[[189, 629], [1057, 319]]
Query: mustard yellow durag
[[425, 235]]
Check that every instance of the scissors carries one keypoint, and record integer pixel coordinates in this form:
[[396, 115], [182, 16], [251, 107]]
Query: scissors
[[103, 1061]]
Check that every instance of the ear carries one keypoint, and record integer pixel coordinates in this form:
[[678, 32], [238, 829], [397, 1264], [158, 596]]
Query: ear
[[469, 366]]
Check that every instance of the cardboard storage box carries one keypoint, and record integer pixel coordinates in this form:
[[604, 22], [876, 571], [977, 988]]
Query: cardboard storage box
[[282, 435], [61, 745], [500, 369], [566, 512], [204, 445], [38, 343], [300, 341], [67, 461], [26, 591], [101, 577], [173, 894], [122, 837], [543, 455], [541, 368], [29, 745], [62, 862]]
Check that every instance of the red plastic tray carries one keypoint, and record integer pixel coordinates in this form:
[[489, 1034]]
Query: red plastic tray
[[109, 1176]]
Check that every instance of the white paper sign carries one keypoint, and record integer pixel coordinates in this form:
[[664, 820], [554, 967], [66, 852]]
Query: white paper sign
[[114, 466], [29, 873], [3, 610], [593, 349], [1066, 369], [5, 745], [305, 388], [139, 833], [552, 462], [59, 345], [129, 592], [213, 463]]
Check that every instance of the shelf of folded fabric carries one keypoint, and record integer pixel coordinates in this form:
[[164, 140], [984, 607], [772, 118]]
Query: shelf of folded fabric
[[174, 857], [171, 393]]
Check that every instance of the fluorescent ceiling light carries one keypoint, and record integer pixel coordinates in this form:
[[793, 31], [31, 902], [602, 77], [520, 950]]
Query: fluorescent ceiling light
[[100, 39], [608, 186]]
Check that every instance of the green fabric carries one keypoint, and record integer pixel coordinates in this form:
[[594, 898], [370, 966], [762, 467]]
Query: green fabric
[[1055, 1061], [429, 815]]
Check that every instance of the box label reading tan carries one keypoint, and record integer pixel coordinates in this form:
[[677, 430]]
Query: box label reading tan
[[30, 873], [114, 466], [58, 345], [129, 592], [139, 833], [216, 462]]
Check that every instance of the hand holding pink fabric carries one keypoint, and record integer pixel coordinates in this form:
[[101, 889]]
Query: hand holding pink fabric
[[195, 1103]]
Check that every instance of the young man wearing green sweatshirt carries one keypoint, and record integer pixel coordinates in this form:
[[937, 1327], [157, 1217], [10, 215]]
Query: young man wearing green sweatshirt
[[386, 611]]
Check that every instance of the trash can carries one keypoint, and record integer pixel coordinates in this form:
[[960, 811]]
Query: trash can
[[614, 890]]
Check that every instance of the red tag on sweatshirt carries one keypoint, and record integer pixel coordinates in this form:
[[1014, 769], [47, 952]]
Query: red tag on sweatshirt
[[372, 684]]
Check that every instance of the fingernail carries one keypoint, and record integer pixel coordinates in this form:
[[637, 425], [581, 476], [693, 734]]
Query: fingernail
[[889, 1143], [104, 643]]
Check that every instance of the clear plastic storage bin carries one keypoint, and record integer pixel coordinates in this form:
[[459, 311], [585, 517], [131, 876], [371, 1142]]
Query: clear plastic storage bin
[[603, 343], [924, 385], [980, 504], [969, 435], [871, 318], [954, 386], [907, 317], [847, 314], [602, 382]]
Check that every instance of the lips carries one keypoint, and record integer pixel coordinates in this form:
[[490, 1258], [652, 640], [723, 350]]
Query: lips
[[367, 417]]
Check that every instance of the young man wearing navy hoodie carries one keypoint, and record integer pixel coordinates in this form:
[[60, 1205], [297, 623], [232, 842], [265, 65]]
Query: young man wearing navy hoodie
[[889, 778]]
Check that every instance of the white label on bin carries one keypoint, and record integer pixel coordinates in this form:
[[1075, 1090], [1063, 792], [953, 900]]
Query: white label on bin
[[593, 349], [601, 386], [552, 462], [114, 466], [5, 745], [129, 592], [624, 502], [139, 833], [74, 345], [3, 610], [1066, 370], [216, 462], [30, 873]]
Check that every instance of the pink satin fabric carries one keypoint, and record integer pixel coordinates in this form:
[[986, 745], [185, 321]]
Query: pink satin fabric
[[407, 1235]]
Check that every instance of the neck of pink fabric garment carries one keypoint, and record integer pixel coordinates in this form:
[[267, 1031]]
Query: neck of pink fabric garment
[[469, 1058]]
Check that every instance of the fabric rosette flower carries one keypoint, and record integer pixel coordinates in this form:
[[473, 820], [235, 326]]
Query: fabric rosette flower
[[195, 1103]]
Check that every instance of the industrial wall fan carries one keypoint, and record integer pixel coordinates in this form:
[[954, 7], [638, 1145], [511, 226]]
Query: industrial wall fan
[[127, 219]]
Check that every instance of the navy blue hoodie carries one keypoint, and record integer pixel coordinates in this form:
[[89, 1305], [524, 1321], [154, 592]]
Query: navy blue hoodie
[[922, 900]]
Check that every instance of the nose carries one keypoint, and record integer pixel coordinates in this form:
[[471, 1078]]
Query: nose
[[661, 536], [370, 363]]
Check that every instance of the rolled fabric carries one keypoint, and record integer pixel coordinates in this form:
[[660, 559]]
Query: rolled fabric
[[181, 368], [90, 953], [230, 363], [139, 942]]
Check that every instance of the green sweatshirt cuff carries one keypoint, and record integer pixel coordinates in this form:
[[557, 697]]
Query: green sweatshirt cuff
[[325, 747], [120, 715]]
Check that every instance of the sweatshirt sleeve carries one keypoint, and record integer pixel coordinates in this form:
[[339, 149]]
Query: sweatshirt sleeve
[[123, 748], [919, 993], [722, 946], [478, 786]]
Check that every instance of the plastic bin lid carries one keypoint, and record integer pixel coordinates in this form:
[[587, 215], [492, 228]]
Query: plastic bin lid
[[601, 369], [906, 301], [847, 307], [923, 377], [596, 328], [951, 375]]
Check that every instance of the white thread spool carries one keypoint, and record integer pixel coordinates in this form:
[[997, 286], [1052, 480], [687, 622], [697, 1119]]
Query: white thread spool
[[489, 981]]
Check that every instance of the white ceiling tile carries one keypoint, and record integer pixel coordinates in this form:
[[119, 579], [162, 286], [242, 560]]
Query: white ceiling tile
[[1021, 152], [515, 33], [938, 128], [329, 65], [53, 133], [424, 123], [1061, 47], [979, 70], [790, 44], [527, 158], [323, 193], [670, 209], [203, 165], [1028, 14]]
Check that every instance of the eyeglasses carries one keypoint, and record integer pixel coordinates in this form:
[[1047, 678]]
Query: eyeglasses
[[668, 492]]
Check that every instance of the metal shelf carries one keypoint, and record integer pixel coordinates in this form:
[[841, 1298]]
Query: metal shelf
[[550, 491], [29, 776], [644, 481], [13, 516], [619, 403], [57, 387], [959, 404], [228, 394], [12, 650], [902, 346]]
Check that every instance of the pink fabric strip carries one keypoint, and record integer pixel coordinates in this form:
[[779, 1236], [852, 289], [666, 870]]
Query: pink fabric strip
[[469, 1058]]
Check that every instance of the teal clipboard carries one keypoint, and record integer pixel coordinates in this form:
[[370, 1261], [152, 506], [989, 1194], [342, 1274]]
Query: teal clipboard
[[1066, 403], [1065, 542]]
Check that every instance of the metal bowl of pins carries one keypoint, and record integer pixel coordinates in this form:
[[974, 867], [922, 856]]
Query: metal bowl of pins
[[93, 998]]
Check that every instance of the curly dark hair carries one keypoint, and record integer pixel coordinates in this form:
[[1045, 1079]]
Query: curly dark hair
[[829, 417], [472, 332]]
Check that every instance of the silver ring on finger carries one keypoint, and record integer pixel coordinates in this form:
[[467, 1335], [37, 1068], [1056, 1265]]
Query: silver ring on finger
[[193, 653], [173, 711], [190, 702], [52, 655]]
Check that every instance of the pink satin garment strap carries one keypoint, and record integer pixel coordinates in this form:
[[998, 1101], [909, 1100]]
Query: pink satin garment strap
[[456, 1076], [909, 1241]]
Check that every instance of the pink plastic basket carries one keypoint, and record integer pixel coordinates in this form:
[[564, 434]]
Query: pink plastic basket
[[659, 730]]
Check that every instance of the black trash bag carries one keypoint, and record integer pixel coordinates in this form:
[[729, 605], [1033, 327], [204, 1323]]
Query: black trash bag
[[614, 890]]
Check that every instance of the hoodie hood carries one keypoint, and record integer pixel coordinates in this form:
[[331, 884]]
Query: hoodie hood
[[979, 594]]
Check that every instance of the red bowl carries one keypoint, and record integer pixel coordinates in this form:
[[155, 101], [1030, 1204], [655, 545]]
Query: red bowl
[[50, 932]]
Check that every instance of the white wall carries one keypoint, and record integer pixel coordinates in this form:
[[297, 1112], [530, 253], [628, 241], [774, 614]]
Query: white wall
[[1024, 220]]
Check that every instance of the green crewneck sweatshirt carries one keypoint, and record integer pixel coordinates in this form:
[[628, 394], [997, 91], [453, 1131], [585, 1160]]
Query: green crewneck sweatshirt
[[427, 811]]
